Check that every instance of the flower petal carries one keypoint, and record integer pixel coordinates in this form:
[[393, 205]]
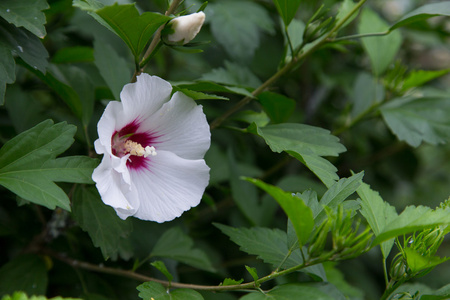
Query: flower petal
[[107, 125], [113, 189], [144, 97], [171, 186], [181, 127]]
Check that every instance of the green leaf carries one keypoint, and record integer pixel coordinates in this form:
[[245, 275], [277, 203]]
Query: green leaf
[[7, 70], [290, 291], [100, 221], [253, 273], [306, 143], [134, 29], [233, 74], [378, 213], [25, 13], [237, 26], [230, 281], [441, 8], [278, 107], [417, 120], [23, 296], [73, 55], [441, 294], [24, 44], [156, 291], [176, 245], [420, 77], [28, 164], [337, 193], [207, 86], [366, 92], [198, 95], [287, 9], [413, 219], [381, 50], [25, 273], [163, 269], [417, 261], [112, 67], [270, 245], [345, 8], [300, 215]]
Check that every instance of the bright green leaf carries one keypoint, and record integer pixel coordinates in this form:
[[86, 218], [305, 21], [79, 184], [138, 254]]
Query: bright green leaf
[[290, 291], [253, 273], [287, 9], [378, 213], [28, 164], [441, 8], [237, 26], [417, 120], [420, 77], [198, 95], [25, 13], [100, 221], [278, 107], [156, 291], [381, 49], [112, 67], [176, 245], [270, 245], [300, 215], [163, 269], [230, 281], [306, 143], [418, 262], [25, 273]]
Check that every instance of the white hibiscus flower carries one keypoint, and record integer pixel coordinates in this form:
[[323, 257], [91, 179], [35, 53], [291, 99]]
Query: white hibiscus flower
[[186, 27], [153, 147]]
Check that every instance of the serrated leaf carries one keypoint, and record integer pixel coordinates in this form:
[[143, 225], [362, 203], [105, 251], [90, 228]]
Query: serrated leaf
[[100, 221], [300, 215], [290, 291], [253, 273], [134, 29], [175, 244], [23, 296], [163, 269], [417, 261], [112, 67], [24, 44], [381, 49], [337, 193], [306, 143], [441, 8], [278, 107], [25, 273], [420, 77], [270, 245], [417, 120], [413, 219], [156, 291], [378, 213], [230, 281], [25, 13], [28, 164], [237, 26], [287, 9]]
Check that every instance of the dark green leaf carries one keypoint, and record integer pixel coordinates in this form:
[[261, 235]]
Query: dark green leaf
[[250, 116], [163, 269], [233, 74], [306, 143], [366, 92], [155, 291], [441, 294], [237, 26], [270, 245], [175, 244], [73, 55], [28, 166], [24, 273], [287, 9], [278, 107], [417, 120], [206, 86], [337, 193], [112, 67], [300, 215], [441, 8], [25, 13], [381, 49], [7, 69], [378, 213], [419, 77], [105, 228], [290, 291], [198, 95]]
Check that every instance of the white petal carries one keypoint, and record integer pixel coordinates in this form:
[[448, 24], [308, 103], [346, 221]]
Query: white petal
[[171, 186], [144, 97], [111, 121], [181, 126], [113, 190]]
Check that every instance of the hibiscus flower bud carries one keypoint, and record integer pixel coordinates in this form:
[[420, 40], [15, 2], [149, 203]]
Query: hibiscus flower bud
[[185, 28]]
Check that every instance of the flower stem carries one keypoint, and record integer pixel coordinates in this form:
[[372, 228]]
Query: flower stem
[[295, 60], [358, 36]]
